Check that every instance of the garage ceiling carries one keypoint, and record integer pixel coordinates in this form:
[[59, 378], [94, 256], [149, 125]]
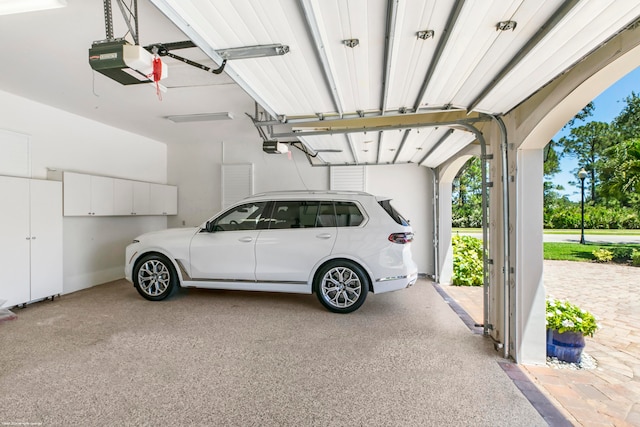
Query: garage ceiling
[[369, 60]]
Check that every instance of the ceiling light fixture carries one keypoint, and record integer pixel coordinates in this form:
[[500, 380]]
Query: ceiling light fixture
[[427, 34], [204, 117], [258, 51], [506, 26], [351, 42], [8, 7]]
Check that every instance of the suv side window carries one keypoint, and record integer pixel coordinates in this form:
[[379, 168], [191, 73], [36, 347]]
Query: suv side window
[[243, 217], [326, 215], [348, 214], [294, 214]]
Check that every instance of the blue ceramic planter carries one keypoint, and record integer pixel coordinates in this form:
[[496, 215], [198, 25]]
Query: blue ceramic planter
[[565, 346]]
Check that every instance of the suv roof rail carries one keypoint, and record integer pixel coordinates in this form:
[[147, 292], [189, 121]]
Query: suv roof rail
[[285, 192]]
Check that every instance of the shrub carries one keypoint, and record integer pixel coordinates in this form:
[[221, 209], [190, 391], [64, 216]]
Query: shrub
[[602, 255], [569, 216], [621, 253], [635, 258], [564, 316], [467, 261]]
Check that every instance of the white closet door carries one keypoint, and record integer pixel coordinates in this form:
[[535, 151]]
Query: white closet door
[[46, 239], [14, 240], [237, 183]]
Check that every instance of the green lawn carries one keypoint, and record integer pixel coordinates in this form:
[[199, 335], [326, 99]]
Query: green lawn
[[578, 252], [586, 232]]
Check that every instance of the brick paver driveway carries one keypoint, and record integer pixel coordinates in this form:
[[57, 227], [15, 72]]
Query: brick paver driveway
[[609, 394]]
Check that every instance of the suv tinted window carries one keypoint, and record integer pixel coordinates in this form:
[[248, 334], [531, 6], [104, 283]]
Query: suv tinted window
[[386, 205], [327, 215], [348, 214], [294, 214], [243, 217]]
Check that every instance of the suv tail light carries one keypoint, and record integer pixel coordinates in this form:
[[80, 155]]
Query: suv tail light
[[401, 238]]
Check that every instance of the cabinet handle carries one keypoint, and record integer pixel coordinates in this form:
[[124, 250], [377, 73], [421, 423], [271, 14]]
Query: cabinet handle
[[33, 238], [28, 238]]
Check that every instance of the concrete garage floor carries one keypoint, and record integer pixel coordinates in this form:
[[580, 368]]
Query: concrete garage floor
[[106, 356]]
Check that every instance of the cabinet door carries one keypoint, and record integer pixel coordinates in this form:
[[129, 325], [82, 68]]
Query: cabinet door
[[14, 241], [77, 194], [122, 197], [171, 200], [141, 198], [101, 195], [46, 239], [164, 199]]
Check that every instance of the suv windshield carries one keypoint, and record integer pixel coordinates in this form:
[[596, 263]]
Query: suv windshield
[[386, 205]]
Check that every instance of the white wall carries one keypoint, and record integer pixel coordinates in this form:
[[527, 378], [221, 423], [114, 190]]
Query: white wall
[[411, 188], [93, 248], [196, 169]]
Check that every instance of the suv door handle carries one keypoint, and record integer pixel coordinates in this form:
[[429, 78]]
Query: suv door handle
[[246, 239], [324, 236]]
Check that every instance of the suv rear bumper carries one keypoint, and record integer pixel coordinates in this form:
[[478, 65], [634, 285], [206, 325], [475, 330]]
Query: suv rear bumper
[[388, 284]]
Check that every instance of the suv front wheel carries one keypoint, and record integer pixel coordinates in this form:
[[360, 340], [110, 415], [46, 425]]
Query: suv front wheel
[[154, 277], [341, 286]]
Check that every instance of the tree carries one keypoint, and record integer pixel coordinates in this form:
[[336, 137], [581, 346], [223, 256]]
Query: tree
[[552, 158], [627, 123], [467, 195], [551, 165], [621, 172], [587, 143], [621, 163]]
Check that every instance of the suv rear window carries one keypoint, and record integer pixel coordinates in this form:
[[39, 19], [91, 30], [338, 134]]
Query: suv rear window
[[386, 205]]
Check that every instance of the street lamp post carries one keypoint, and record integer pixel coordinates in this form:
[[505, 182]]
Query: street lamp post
[[582, 174]]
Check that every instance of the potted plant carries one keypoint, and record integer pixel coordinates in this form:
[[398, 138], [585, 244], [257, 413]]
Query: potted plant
[[567, 325]]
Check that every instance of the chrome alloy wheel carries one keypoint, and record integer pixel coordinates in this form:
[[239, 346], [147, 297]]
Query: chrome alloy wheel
[[153, 277], [341, 287]]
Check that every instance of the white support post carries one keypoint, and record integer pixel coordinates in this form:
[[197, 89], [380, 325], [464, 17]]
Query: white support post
[[530, 345]]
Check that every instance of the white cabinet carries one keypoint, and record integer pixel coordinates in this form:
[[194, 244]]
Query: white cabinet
[[92, 195], [122, 197], [141, 198], [130, 197], [31, 240], [88, 195], [164, 199]]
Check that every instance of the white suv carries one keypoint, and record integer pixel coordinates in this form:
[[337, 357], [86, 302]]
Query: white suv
[[339, 245]]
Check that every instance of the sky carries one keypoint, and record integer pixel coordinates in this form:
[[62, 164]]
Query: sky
[[607, 106]]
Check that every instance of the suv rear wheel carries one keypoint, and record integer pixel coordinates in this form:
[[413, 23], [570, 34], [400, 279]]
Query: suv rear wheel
[[341, 286]]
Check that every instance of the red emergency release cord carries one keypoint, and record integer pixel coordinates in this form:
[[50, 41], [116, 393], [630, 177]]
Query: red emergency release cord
[[157, 74]]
